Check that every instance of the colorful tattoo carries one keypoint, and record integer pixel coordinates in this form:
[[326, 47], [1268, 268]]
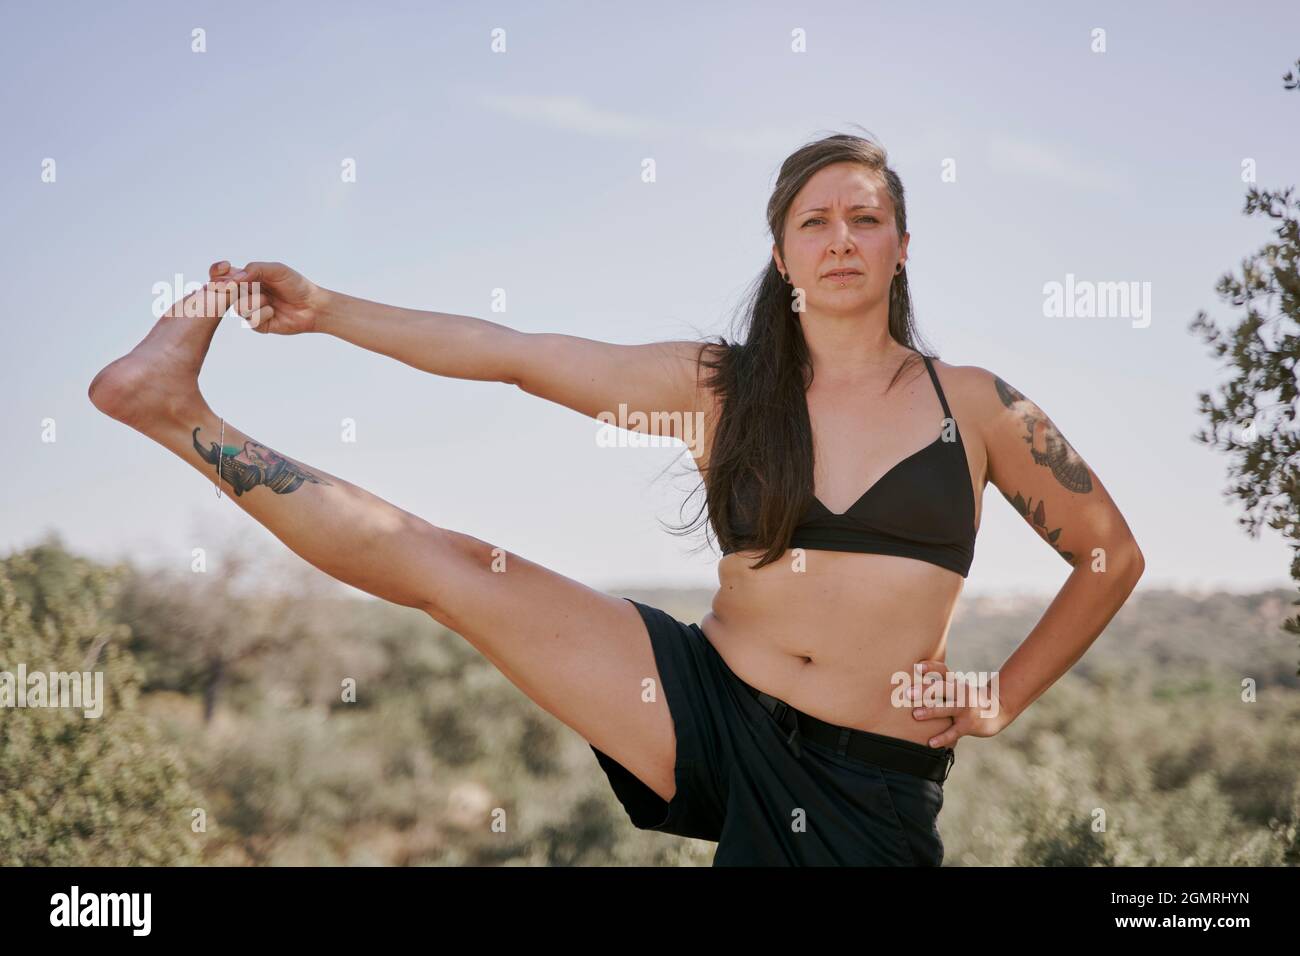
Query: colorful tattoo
[[1037, 516], [1057, 454], [246, 468]]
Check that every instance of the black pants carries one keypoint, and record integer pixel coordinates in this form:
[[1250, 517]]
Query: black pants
[[741, 785]]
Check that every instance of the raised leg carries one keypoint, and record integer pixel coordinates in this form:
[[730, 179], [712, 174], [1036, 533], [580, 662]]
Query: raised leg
[[578, 653]]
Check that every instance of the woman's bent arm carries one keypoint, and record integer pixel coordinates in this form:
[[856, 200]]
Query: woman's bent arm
[[1048, 483]]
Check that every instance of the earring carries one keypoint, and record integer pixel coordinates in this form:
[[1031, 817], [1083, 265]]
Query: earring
[[899, 269]]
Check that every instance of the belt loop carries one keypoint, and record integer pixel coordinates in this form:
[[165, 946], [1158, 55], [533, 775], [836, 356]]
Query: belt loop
[[843, 746], [793, 739]]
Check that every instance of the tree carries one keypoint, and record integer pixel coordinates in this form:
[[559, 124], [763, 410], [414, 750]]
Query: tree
[[1259, 433], [78, 790], [254, 617]]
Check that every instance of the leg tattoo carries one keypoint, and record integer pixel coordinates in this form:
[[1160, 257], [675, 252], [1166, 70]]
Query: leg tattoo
[[246, 468]]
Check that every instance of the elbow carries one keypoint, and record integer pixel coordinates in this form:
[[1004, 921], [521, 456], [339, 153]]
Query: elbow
[[1121, 562], [518, 357], [1133, 564]]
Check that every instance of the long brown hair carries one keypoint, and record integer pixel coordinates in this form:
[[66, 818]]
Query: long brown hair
[[759, 474]]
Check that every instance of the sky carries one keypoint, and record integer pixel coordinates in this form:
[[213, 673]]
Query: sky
[[521, 169]]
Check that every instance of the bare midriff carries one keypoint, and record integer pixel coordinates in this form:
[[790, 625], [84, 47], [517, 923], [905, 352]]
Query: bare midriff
[[827, 632]]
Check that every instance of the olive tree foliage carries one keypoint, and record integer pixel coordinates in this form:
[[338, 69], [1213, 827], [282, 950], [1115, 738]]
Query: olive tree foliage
[[79, 790], [1253, 418]]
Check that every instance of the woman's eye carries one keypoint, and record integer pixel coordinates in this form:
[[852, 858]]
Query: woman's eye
[[860, 218]]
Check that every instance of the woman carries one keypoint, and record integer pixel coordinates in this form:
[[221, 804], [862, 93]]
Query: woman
[[843, 470]]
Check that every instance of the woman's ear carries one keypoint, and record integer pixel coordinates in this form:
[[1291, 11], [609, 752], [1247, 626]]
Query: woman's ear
[[776, 257]]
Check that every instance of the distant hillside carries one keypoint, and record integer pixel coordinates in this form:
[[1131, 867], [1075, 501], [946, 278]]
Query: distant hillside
[[302, 727]]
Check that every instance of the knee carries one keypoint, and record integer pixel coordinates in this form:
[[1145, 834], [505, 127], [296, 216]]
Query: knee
[[460, 563]]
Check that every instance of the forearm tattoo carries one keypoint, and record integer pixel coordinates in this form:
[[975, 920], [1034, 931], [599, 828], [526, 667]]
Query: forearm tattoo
[[252, 465], [1046, 444], [1036, 515]]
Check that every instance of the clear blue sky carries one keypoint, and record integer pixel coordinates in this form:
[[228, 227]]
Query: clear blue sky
[[479, 170]]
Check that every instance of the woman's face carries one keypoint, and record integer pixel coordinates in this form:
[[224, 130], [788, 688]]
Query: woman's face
[[843, 218]]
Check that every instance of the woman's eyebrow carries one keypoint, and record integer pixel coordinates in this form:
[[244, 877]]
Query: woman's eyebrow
[[826, 209]]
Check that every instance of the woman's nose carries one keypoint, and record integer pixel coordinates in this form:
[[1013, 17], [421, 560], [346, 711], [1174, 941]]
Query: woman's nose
[[842, 244], [841, 236]]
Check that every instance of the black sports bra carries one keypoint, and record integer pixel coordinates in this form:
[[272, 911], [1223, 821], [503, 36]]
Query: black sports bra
[[923, 508]]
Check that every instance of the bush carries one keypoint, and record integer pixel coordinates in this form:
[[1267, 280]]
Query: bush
[[78, 790]]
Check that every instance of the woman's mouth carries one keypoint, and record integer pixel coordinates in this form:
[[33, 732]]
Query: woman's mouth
[[842, 276]]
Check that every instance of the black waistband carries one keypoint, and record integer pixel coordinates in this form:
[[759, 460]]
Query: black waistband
[[892, 752]]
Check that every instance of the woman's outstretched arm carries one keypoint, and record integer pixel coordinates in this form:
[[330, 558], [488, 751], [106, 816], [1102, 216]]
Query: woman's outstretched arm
[[659, 380], [441, 343]]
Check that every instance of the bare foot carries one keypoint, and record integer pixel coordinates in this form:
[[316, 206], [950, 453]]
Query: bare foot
[[158, 380]]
